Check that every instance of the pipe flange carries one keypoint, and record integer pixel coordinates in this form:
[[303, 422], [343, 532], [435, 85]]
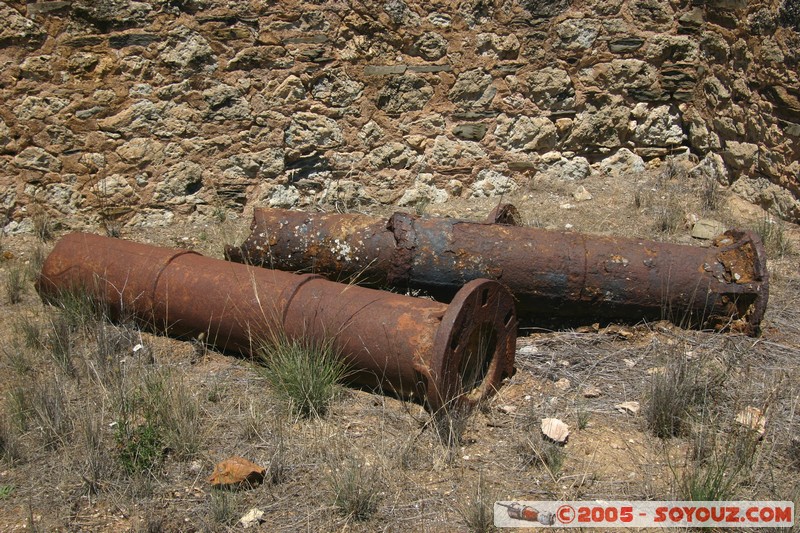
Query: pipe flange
[[473, 351]]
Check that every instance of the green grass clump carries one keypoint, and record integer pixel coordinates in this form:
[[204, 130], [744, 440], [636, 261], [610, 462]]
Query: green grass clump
[[356, 491], [305, 373]]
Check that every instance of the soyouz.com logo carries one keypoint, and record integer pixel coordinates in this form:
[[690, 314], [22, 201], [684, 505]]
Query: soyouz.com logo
[[643, 514]]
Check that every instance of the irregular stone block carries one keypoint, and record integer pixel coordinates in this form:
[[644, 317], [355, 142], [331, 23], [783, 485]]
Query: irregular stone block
[[123, 40], [336, 88], [430, 46], [18, 30], [472, 89], [551, 89], [384, 70], [406, 93], [657, 126], [35, 158], [312, 131], [629, 44], [430, 68], [525, 134], [491, 183], [449, 153], [470, 132]]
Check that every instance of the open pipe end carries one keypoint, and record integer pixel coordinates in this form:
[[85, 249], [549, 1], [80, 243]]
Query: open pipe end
[[506, 214], [749, 250], [474, 347]]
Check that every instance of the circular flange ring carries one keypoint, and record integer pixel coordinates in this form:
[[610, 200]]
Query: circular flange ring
[[474, 347]]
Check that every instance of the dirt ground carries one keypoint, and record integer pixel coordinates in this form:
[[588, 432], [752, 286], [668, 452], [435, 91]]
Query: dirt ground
[[63, 466]]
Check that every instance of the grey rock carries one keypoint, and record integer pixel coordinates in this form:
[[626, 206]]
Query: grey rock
[[652, 15], [35, 158], [547, 9], [714, 47], [18, 30], [672, 48], [391, 155], [692, 20], [491, 183], [82, 62], [284, 196], [123, 40], [62, 196], [371, 134], [473, 89], [441, 20], [430, 46], [398, 11], [40, 108], [248, 167], [740, 155], [628, 44], [657, 126], [254, 57], [38, 68], [551, 89], [312, 131], [115, 190], [5, 134], [142, 151], [770, 196], [346, 193], [423, 191], [290, 91], [187, 50], [525, 134], [500, 46], [179, 184], [142, 116], [406, 93], [384, 70], [56, 138], [470, 132], [701, 137], [622, 162], [337, 89], [712, 167], [707, 229], [601, 127], [152, 218], [450, 153], [715, 91], [112, 14], [577, 34], [225, 102], [621, 75], [430, 68], [555, 167]]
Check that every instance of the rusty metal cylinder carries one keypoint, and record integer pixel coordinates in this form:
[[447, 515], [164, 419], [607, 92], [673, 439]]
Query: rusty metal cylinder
[[551, 273], [411, 347]]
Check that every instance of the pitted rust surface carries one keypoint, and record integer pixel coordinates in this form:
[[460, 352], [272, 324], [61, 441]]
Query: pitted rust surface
[[550, 273], [390, 341]]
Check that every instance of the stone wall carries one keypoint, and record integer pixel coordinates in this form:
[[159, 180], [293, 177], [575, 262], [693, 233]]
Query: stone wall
[[148, 111]]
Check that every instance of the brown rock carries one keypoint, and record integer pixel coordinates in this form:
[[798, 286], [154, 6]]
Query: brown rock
[[235, 472]]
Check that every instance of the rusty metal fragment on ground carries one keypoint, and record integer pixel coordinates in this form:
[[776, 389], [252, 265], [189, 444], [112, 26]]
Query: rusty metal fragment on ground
[[551, 273], [235, 472], [412, 347]]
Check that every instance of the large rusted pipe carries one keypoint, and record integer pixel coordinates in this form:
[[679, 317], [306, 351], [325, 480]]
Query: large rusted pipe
[[412, 347], [551, 273]]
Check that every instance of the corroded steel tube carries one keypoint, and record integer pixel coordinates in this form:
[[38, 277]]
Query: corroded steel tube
[[550, 273], [411, 347]]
